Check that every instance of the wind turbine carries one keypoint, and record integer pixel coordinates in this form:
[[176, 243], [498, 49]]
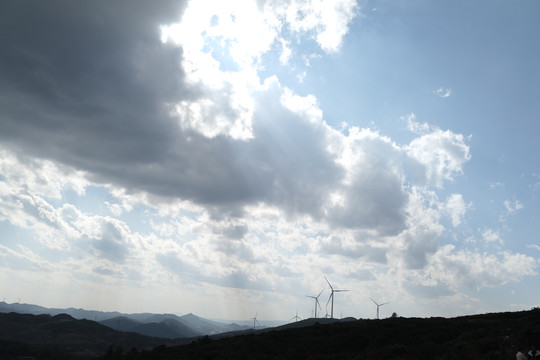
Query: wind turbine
[[296, 317], [254, 320], [378, 306], [316, 301], [326, 316], [332, 297]]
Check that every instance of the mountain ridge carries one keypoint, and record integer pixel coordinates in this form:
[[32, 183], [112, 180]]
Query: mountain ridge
[[168, 326]]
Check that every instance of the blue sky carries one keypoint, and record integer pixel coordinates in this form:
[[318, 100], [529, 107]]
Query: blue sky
[[222, 158]]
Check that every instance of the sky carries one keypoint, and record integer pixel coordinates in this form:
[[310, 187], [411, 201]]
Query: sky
[[223, 158]]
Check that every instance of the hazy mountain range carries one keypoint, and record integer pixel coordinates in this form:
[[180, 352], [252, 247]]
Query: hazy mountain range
[[167, 326]]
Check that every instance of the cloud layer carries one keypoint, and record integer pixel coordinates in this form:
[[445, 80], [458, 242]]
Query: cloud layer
[[204, 171]]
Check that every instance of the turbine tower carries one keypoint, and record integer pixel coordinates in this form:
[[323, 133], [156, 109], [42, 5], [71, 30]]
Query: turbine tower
[[378, 306], [316, 301], [332, 297]]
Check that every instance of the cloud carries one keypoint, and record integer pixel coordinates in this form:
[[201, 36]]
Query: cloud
[[443, 93], [495, 185], [89, 87], [453, 268], [456, 208], [111, 243], [533, 246], [414, 126], [512, 206], [172, 262], [24, 259], [491, 236], [329, 20], [135, 119], [442, 153]]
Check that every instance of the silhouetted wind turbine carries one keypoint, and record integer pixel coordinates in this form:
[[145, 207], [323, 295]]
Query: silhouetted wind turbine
[[332, 297], [378, 306], [254, 320], [316, 301], [326, 316], [296, 317]]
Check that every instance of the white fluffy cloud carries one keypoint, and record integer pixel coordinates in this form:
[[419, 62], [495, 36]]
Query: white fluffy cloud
[[442, 153]]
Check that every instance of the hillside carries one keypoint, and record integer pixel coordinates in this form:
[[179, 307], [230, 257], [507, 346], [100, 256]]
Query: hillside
[[62, 337], [488, 336]]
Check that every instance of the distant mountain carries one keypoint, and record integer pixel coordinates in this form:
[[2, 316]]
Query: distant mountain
[[209, 327], [76, 313], [168, 326], [120, 323]]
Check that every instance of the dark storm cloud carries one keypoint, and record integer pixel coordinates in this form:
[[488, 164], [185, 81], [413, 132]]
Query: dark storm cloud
[[90, 84], [85, 82]]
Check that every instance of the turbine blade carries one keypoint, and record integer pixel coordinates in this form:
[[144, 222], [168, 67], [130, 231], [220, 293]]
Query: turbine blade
[[320, 293], [328, 283], [329, 298], [374, 301]]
